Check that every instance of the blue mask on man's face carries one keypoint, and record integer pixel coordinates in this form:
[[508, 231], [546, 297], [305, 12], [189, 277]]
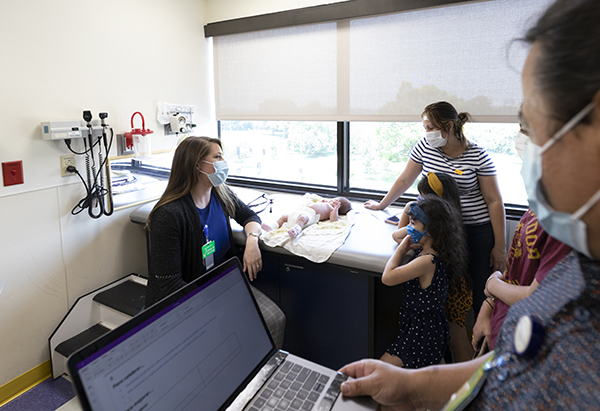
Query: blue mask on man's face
[[415, 235], [567, 228]]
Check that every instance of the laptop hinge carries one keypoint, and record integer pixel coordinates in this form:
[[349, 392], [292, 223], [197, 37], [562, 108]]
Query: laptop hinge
[[258, 381]]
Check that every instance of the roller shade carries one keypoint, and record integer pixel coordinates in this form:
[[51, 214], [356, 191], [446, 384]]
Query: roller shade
[[381, 68]]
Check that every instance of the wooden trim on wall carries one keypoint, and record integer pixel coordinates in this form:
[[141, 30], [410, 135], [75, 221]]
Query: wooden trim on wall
[[319, 14]]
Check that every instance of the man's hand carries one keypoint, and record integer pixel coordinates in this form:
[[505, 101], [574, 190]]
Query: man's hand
[[387, 384]]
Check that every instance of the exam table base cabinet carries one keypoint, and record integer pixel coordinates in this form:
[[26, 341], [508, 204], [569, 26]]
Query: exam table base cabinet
[[334, 315]]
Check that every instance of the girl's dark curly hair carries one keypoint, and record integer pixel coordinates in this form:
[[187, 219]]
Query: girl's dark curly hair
[[448, 234]]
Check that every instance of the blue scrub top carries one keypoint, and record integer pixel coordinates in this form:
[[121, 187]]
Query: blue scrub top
[[215, 218]]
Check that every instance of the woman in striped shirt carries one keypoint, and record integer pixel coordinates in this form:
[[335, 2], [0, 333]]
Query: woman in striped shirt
[[445, 149]]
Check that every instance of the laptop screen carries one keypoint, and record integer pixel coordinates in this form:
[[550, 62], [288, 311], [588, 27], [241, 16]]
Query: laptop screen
[[192, 353]]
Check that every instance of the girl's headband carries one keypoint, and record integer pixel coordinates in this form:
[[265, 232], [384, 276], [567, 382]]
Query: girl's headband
[[418, 213], [435, 184]]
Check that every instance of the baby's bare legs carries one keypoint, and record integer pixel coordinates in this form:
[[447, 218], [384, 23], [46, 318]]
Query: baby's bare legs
[[300, 223], [274, 225]]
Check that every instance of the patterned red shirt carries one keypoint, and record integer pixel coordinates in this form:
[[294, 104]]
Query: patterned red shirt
[[532, 254]]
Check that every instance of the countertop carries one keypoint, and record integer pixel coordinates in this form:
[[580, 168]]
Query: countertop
[[368, 246]]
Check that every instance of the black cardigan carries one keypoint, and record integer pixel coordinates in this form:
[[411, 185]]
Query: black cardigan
[[176, 238]]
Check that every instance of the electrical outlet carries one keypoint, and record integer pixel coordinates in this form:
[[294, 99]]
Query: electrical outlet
[[66, 161]]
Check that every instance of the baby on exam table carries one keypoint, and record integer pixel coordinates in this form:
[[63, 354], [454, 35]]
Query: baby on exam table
[[326, 209]]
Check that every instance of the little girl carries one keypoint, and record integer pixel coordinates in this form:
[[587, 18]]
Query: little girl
[[460, 294], [436, 232], [440, 184]]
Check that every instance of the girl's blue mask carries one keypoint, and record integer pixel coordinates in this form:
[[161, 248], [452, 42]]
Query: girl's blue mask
[[417, 213], [415, 235]]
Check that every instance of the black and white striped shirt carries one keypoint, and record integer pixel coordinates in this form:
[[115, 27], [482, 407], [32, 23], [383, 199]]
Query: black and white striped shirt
[[465, 169]]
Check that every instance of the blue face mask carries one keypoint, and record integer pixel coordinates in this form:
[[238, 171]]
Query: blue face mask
[[221, 172], [415, 235], [567, 228]]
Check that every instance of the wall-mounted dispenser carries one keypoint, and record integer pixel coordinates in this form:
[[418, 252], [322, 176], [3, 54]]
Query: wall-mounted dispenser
[[176, 118], [141, 139], [178, 123]]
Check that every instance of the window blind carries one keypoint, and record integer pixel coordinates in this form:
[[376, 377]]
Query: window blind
[[381, 68]]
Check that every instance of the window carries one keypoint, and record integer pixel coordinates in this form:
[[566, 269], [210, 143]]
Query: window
[[499, 141], [379, 152], [290, 151], [305, 153]]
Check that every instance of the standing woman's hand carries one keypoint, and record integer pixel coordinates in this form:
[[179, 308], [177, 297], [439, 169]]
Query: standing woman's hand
[[498, 258], [373, 205]]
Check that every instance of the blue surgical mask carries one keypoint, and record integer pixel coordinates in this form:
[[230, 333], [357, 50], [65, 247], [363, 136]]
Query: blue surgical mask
[[415, 235], [567, 228], [221, 172]]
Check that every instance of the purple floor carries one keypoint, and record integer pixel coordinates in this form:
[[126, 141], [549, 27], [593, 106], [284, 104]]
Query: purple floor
[[46, 396]]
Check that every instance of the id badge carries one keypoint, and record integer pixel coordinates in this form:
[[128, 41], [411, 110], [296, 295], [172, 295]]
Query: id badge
[[208, 254], [463, 397]]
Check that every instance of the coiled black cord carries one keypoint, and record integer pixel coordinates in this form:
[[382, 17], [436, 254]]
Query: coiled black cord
[[95, 190]]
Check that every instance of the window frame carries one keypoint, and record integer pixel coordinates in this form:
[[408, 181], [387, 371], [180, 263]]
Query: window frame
[[321, 13]]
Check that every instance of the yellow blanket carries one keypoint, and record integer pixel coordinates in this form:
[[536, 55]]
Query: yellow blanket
[[316, 242]]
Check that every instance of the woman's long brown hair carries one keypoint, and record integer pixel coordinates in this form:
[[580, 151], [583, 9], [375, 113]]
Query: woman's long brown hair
[[184, 175]]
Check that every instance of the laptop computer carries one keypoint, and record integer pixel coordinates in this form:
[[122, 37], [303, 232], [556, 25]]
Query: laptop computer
[[204, 347]]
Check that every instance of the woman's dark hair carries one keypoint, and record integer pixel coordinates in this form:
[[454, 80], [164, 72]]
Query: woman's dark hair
[[442, 113], [567, 71], [448, 234], [451, 193]]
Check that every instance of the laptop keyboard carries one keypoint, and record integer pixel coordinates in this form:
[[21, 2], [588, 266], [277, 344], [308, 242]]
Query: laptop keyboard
[[297, 388]]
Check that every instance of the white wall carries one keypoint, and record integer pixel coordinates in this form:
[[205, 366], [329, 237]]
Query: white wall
[[218, 10], [59, 58]]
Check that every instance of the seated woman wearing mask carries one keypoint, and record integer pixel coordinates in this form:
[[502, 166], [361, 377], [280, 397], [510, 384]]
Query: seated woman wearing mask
[[546, 352], [194, 211]]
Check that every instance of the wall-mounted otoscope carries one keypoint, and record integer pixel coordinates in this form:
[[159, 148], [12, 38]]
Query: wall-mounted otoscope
[[98, 199], [109, 199], [89, 153]]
